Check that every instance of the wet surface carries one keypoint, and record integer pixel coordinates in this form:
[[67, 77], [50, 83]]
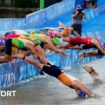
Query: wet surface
[[49, 91]]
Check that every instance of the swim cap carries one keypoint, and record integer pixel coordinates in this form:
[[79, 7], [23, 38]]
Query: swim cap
[[51, 34], [56, 40], [32, 35], [7, 33], [2, 42], [66, 31], [38, 41], [81, 94], [102, 45]]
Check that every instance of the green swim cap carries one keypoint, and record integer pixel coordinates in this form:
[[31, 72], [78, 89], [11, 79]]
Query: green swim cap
[[56, 40], [38, 41]]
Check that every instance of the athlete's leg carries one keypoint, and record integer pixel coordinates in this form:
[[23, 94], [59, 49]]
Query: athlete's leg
[[88, 54], [97, 43]]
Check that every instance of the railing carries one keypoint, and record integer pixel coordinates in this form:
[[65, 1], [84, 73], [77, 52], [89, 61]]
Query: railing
[[36, 19], [11, 23]]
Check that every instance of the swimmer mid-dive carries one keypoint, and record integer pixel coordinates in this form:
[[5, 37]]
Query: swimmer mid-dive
[[50, 43], [74, 43], [22, 44], [66, 79]]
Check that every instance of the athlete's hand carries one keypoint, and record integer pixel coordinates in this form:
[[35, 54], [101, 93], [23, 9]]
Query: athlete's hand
[[64, 53], [77, 12]]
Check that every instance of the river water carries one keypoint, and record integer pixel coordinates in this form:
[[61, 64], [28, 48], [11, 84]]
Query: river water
[[49, 91]]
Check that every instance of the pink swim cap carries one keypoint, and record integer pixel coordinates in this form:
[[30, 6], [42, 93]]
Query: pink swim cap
[[51, 34]]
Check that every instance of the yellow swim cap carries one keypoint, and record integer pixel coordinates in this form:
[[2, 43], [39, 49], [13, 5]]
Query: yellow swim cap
[[32, 35], [32, 32]]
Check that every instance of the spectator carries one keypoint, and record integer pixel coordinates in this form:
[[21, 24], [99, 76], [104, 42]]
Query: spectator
[[94, 3], [78, 16], [90, 3]]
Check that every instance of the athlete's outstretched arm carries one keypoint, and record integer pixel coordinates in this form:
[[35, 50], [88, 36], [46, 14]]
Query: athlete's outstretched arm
[[91, 71], [32, 61], [79, 85], [74, 83], [67, 46], [52, 47]]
